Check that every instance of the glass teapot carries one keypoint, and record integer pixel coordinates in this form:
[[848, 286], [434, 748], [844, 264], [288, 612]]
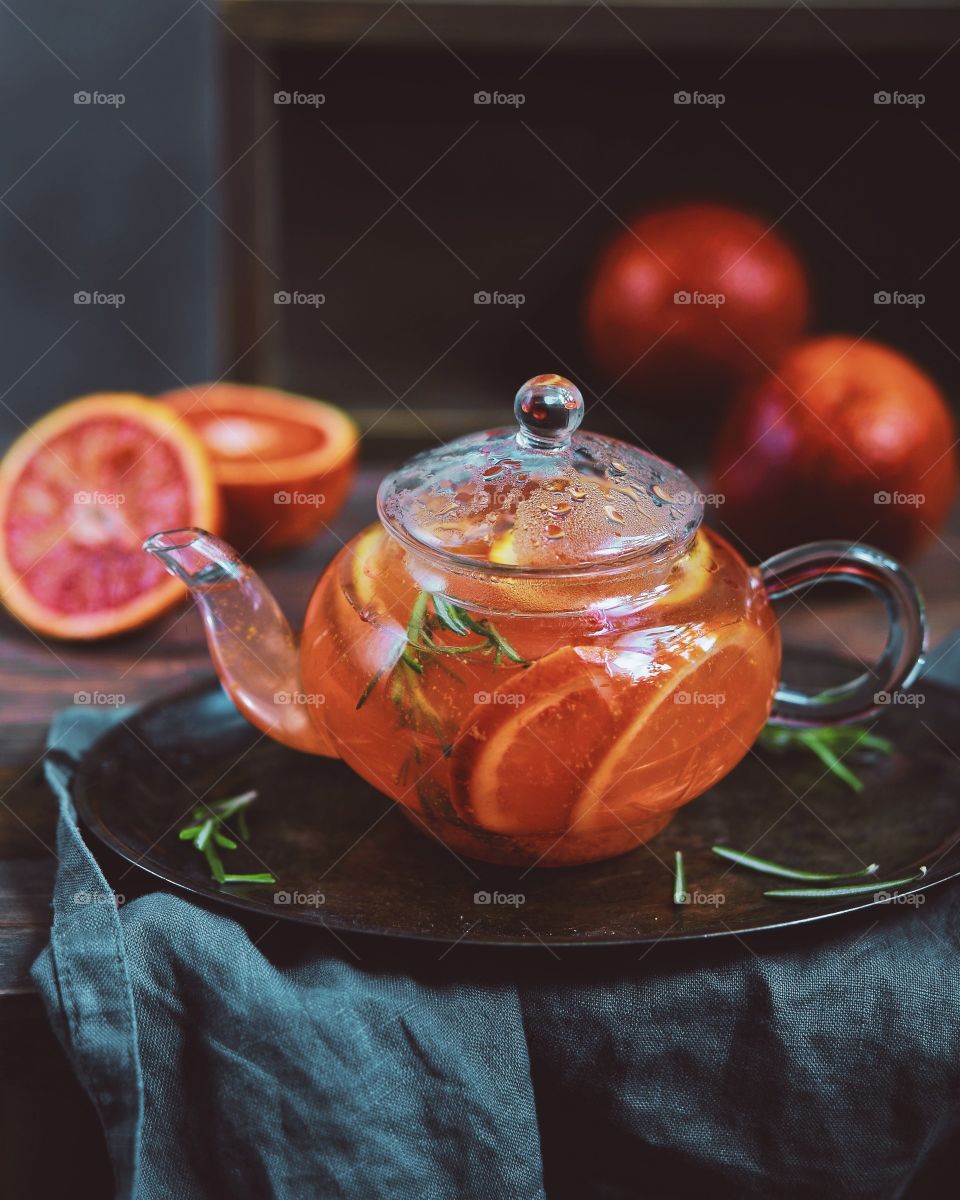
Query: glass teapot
[[538, 651]]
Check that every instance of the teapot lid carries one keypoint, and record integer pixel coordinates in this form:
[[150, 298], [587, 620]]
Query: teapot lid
[[541, 497]]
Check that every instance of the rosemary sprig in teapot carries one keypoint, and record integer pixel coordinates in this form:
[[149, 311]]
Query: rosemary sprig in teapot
[[420, 649]]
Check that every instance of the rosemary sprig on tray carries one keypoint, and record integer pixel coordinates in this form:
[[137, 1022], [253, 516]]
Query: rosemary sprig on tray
[[679, 880], [419, 650], [847, 888], [858, 889], [207, 835], [772, 868], [829, 743]]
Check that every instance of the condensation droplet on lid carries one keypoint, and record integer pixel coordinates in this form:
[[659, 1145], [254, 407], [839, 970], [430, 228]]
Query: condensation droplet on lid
[[613, 514], [630, 490], [561, 508], [554, 531], [661, 492], [511, 462], [439, 505], [555, 485], [578, 494], [489, 472], [617, 469]]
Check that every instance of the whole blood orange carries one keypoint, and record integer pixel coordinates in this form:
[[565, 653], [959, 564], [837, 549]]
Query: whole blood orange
[[284, 463], [79, 491], [696, 296], [847, 439]]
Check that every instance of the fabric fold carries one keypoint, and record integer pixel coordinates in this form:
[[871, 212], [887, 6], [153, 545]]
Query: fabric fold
[[224, 1062], [250, 1058]]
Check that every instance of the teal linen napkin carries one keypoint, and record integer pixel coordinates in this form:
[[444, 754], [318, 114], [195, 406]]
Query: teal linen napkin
[[272, 1061]]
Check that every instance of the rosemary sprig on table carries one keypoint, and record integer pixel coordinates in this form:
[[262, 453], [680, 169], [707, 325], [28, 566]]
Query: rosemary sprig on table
[[207, 835], [829, 743], [432, 613]]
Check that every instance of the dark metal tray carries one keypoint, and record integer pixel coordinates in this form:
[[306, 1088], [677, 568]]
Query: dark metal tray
[[345, 857]]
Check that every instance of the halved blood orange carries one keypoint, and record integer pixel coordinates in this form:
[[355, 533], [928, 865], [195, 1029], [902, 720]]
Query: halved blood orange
[[284, 463], [79, 491]]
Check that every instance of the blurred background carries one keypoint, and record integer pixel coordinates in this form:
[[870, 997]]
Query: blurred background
[[335, 152]]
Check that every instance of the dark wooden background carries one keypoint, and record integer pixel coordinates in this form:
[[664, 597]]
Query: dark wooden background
[[522, 200]]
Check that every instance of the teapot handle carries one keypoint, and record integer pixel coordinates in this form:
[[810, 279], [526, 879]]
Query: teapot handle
[[794, 571]]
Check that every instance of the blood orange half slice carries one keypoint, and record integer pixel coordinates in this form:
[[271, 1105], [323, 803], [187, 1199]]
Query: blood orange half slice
[[690, 576], [284, 463], [79, 491], [575, 742], [531, 743], [683, 735]]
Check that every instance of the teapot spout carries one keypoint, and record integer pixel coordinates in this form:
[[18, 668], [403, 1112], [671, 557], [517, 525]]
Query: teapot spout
[[253, 648]]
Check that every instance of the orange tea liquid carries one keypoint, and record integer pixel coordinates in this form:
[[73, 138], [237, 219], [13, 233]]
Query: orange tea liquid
[[546, 738]]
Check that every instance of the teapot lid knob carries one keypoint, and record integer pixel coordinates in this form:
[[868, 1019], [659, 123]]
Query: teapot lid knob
[[549, 410]]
